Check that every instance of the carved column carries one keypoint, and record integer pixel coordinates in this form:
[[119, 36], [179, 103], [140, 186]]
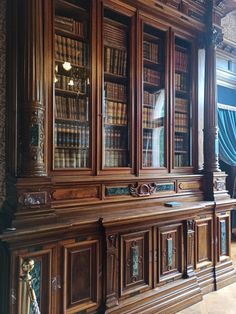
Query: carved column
[[31, 102], [211, 142], [111, 270], [189, 247]]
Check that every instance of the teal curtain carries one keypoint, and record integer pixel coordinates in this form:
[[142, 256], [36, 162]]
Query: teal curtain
[[227, 136]]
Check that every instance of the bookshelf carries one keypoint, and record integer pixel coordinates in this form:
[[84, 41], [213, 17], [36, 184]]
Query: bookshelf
[[153, 103], [182, 111], [116, 106], [71, 85]]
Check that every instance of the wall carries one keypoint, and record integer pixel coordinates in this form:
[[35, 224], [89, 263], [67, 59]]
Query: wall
[[2, 97], [229, 26]]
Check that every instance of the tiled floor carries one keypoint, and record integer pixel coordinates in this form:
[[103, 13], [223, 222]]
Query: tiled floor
[[218, 302]]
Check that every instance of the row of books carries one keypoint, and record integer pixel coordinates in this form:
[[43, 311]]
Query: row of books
[[181, 82], [116, 113], [115, 138], [115, 158], [150, 120], [150, 51], [115, 91], [151, 76], [71, 158], [181, 104], [115, 61], [149, 140], [71, 84], [150, 98], [180, 142], [71, 135], [154, 159], [72, 108], [70, 25], [181, 160], [70, 50], [115, 35], [181, 122], [181, 61]]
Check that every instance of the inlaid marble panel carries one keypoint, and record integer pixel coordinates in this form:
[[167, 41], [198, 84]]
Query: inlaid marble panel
[[2, 97]]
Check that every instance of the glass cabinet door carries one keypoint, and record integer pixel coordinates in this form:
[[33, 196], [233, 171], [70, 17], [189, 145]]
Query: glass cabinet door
[[153, 102], [183, 112], [116, 100], [72, 85]]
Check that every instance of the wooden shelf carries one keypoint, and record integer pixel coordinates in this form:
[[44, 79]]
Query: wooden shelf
[[70, 147], [113, 76], [76, 121], [115, 125], [84, 67], [68, 34], [70, 93]]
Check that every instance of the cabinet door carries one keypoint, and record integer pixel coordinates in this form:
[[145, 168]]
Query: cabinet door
[[223, 234], [135, 265], [81, 289], [183, 104], [153, 99], [43, 278], [169, 248], [203, 242], [117, 85], [72, 91]]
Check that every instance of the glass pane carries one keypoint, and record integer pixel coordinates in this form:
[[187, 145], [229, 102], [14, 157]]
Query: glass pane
[[72, 85], [153, 109], [116, 105], [182, 104]]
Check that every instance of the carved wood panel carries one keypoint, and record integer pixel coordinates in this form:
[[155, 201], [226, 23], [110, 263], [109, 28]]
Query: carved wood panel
[[81, 265], [203, 242], [42, 274], [135, 261], [170, 251], [223, 233]]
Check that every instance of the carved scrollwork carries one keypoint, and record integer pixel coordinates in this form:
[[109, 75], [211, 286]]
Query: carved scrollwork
[[33, 199], [216, 36], [112, 241], [142, 189]]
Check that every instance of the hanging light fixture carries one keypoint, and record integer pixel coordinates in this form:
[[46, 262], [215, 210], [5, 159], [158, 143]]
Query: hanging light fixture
[[67, 66]]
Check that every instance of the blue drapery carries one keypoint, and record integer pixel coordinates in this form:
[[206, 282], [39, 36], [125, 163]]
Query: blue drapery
[[227, 136]]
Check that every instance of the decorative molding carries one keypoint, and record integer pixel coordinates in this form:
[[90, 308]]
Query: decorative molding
[[112, 241], [2, 99], [142, 189]]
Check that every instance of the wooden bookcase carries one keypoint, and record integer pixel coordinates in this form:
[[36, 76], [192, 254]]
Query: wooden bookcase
[[104, 184]]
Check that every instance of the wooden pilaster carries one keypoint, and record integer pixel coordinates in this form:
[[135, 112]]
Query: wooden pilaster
[[31, 102]]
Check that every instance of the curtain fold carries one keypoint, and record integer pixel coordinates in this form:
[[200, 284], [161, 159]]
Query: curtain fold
[[227, 136]]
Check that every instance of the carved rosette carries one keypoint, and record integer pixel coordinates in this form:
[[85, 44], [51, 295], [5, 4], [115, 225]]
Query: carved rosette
[[142, 189], [32, 135]]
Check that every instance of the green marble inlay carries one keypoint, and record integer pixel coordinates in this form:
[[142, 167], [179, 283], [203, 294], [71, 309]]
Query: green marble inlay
[[223, 237], [165, 187], [34, 135], [170, 252], [134, 259], [116, 191], [36, 282]]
